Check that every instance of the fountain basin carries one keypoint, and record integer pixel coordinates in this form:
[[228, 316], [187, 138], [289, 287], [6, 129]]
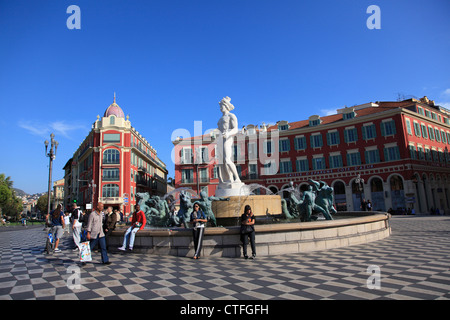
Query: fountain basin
[[271, 239]]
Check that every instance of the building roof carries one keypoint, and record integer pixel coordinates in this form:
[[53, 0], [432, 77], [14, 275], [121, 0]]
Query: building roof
[[114, 110]]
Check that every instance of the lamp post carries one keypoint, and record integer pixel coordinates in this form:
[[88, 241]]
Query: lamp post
[[51, 154]]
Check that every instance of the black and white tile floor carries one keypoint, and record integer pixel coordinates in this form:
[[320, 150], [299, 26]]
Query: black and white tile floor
[[413, 263]]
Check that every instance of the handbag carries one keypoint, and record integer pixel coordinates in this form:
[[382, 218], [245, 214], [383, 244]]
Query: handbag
[[85, 252], [245, 229]]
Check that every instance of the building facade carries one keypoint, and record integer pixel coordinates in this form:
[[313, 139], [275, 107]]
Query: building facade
[[113, 164], [58, 193], [394, 154]]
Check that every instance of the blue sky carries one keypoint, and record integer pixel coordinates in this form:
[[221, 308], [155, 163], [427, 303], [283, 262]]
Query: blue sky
[[170, 62]]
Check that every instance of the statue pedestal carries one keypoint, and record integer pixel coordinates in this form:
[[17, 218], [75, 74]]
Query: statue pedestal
[[261, 205], [233, 189]]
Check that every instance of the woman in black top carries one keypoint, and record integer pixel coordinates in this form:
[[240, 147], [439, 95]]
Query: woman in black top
[[248, 231], [198, 219]]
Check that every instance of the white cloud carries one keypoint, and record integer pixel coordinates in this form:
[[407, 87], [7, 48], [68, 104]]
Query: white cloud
[[446, 105], [59, 128], [446, 92], [327, 112]]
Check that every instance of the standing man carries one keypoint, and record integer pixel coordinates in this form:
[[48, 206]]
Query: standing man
[[137, 223], [95, 232], [75, 218], [109, 224]]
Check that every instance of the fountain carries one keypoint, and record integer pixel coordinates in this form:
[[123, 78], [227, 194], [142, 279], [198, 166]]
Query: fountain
[[169, 233]]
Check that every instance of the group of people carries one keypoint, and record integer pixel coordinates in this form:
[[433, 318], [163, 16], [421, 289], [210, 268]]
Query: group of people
[[97, 226], [94, 227]]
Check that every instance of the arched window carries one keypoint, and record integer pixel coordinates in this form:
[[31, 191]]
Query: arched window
[[112, 120], [111, 156], [110, 191]]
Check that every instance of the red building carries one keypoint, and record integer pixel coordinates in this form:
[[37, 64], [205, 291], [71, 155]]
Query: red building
[[398, 149], [113, 164]]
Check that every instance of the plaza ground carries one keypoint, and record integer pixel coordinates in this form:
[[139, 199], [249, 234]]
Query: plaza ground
[[413, 262]]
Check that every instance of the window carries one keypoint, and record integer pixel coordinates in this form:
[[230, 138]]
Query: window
[[237, 154], [424, 131], [431, 132], [252, 151], [372, 156], [186, 156], [435, 155], [204, 175], [443, 136], [252, 171], [391, 153], [350, 135], [316, 141], [318, 163], [428, 154], [388, 128], [112, 120], [348, 115], [437, 135], [285, 145], [285, 166], [333, 138], [336, 161], [427, 113], [111, 137], [111, 156], [417, 129], [267, 146], [110, 191], [420, 153], [420, 111], [187, 175], [369, 132], [353, 159], [300, 143], [434, 116], [270, 168], [202, 155], [111, 174], [408, 127], [412, 152], [302, 165], [313, 123], [283, 127]]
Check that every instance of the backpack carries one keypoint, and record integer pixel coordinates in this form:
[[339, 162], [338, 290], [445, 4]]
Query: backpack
[[76, 216]]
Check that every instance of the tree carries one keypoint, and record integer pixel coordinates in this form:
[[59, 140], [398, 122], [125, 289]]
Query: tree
[[10, 205], [41, 204]]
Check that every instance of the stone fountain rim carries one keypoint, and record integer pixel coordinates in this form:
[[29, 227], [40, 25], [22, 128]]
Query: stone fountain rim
[[279, 227]]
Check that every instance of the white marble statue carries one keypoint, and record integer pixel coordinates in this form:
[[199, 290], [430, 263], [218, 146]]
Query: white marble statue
[[229, 181]]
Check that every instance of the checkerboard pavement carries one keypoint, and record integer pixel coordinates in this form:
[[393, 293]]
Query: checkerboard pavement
[[414, 263]]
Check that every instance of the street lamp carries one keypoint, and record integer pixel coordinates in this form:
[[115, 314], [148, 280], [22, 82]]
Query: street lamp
[[51, 154]]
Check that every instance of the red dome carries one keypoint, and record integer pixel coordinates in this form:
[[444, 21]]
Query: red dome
[[114, 110]]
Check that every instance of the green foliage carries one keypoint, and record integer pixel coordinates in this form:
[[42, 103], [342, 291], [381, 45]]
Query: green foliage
[[42, 204], [10, 205]]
